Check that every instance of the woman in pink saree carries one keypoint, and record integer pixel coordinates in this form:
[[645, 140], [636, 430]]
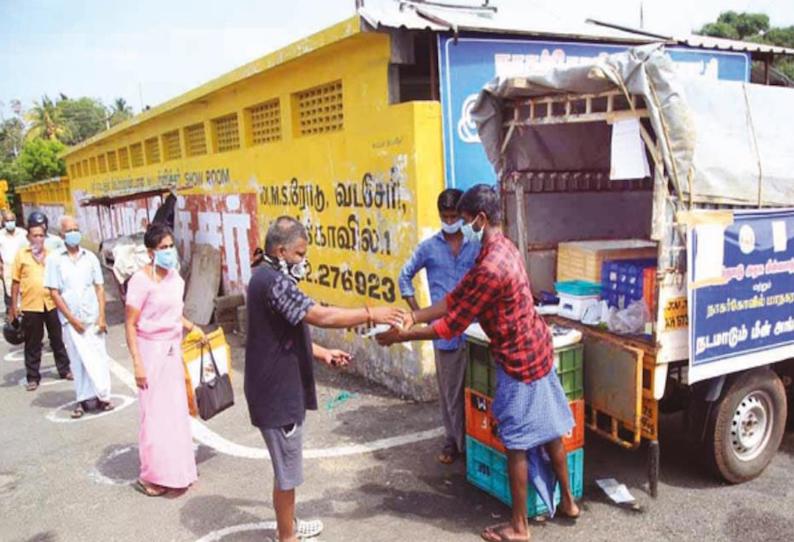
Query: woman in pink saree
[[154, 325]]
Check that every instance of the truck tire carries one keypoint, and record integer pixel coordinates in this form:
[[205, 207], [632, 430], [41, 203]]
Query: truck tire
[[746, 426]]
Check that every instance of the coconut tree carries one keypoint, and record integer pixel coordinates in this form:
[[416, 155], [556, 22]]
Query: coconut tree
[[46, 121]]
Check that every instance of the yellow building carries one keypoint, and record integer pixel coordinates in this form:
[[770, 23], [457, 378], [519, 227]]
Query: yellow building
[[308, 131], [51, 196]]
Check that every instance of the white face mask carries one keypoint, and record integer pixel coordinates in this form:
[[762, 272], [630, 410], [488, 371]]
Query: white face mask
[[470, 234], [452, 228], [298, 270]]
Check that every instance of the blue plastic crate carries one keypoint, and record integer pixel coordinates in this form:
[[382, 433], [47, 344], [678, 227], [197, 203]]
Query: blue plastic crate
[[486, 468], [622, 282]]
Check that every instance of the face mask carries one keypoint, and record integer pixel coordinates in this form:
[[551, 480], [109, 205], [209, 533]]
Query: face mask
[[452, 228], [72, 238], [165, 258], [10, 226], [298, 270], [470, 234]]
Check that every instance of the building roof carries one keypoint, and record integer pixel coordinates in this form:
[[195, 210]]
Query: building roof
[[528, 18]]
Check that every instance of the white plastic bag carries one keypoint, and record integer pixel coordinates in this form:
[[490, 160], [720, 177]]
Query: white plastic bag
[[631, 320]]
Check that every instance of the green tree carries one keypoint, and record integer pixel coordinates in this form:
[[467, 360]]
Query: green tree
[[83, 118], [753, 27], [46, 121], [120, 111], [40, 159]]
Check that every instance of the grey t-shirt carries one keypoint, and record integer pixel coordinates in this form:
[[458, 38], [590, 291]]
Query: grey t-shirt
[[279, 371]]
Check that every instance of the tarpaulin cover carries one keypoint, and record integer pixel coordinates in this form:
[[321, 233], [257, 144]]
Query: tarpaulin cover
[[721, 141]]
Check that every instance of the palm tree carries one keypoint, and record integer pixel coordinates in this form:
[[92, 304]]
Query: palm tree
[[119, 111], [46, 121]]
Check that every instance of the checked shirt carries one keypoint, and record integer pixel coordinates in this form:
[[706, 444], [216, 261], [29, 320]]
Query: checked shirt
[[496, 292]]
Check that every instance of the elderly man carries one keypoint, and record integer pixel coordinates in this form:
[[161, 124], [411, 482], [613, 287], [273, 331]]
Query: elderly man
[[279, 375], [12, 238], [38, 307], [529, 404], [74, 279]]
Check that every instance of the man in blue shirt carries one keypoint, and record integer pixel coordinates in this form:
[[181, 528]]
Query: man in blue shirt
[[446, 257]]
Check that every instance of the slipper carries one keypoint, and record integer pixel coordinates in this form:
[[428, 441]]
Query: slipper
[[78, 412], [67, 376], [449, 454], [32, 386], [308, 529], [104, 406], [149, 491], [495, 533]]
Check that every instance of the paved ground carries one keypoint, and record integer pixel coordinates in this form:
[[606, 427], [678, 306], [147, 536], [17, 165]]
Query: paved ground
[[371, 477]]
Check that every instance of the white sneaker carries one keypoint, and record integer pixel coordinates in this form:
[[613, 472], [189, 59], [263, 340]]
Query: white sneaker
[[308, 529]]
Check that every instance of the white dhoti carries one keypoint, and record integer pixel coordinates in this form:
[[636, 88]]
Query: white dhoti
[[89, 362]]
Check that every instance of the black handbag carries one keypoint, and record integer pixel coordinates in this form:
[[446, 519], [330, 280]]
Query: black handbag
[[216, 395]]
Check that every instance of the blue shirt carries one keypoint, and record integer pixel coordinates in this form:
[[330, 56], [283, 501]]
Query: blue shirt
[[444, 271]]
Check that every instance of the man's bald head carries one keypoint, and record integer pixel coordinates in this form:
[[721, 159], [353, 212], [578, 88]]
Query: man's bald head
[[68, 223]]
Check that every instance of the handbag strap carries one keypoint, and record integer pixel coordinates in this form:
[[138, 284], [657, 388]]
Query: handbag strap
[[212, 359]]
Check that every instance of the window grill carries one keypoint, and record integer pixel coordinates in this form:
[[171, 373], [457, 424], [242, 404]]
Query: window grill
[[319, 109]]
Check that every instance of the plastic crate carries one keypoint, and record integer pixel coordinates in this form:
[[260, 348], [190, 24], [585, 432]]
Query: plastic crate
[[486, 468], [481, 425], [622, 281], [481, 371]]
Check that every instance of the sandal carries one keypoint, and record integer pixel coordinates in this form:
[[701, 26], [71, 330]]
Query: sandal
[[78, 412], [148, 490], [449, 454], [104, 406], [32, 386], [496, 533]]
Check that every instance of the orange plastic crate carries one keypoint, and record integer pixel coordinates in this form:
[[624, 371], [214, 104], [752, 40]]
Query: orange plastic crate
[[649, 289], [481, 425]]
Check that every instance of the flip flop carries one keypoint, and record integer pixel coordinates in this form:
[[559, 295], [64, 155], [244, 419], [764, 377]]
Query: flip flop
[[449, 454], [494, 534], [32, 386], [148, 490], [78, 412], [104, 406]]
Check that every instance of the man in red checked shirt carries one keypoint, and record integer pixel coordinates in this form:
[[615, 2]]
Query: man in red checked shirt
[[530, 406]]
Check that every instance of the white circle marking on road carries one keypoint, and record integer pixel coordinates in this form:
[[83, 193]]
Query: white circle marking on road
[[97, 476], [52, 379], [126, 401], [19, 355]]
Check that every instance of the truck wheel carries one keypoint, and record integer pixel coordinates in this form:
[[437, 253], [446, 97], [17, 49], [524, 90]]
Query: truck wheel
[[746, 426]]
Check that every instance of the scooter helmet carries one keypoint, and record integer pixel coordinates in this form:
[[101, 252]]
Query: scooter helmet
[[12, 331], [37, 218]]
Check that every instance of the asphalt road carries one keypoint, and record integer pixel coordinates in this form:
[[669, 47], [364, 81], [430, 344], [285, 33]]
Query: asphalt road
[[371, 474]]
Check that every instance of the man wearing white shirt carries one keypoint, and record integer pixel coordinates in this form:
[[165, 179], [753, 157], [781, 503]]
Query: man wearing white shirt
[[75, 281], [12, 238]]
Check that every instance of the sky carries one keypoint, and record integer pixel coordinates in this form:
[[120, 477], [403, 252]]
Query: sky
[[148, 51]]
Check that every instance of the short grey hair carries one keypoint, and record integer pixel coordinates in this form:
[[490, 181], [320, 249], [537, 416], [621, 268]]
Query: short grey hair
[[66, 218], [284, 231]]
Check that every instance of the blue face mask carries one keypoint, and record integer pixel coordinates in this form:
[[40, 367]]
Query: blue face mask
[[10, 225], [452, 228], [72, 238], [165, 258], [469, 233]]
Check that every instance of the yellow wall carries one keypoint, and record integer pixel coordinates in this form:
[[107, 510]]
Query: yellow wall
[[376, 178], [52, 197]]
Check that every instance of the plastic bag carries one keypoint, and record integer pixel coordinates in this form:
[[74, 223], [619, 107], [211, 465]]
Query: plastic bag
[[596, 314], [631, 320]]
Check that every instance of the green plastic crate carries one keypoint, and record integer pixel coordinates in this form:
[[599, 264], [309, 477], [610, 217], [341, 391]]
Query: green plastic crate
[[487, 469], [481, 371]]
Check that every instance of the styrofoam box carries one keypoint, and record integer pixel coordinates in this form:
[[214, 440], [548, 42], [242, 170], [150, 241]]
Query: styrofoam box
[[573, 306]]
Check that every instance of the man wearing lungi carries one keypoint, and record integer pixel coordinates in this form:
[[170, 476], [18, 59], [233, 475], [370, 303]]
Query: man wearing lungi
[[530, 405], [75, 281]]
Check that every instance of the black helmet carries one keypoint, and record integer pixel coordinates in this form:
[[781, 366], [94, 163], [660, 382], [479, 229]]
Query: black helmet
[[12, 331], [37, 218]]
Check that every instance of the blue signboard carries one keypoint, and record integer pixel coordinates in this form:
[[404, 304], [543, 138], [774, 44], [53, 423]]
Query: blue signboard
[[741, 292], [466, 64]]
